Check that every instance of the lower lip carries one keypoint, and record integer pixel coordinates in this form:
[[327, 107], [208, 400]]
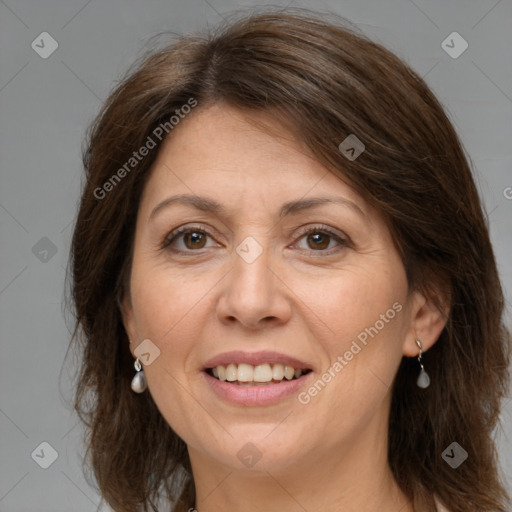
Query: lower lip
[[255, 395]]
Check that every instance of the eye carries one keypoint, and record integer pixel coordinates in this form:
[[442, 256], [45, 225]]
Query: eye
[[186, 239], [321, 239], [189, 239]]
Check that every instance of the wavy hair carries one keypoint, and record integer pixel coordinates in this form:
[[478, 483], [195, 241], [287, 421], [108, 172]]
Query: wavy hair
[[326, 81]]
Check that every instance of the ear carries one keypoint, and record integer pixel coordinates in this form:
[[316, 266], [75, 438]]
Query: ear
[[429, 314], [126, 309]]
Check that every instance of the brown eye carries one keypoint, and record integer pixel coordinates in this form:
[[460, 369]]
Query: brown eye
[[187, 240], [318, 241], [194, 240], [321, 240]]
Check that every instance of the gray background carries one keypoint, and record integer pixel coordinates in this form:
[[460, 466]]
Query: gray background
[[46, 104]]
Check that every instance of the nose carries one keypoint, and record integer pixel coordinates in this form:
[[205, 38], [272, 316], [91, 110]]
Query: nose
[[254, 294]]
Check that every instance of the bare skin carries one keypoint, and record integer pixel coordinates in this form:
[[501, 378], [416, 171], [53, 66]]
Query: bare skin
[[306, 296]]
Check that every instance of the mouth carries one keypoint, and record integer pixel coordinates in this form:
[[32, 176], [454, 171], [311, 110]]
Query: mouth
[[256, 378], [244, 374]]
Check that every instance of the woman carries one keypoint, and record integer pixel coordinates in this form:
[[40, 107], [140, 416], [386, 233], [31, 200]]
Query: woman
[[285, 291]]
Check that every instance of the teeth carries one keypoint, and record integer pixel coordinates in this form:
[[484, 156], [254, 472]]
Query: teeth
[[262, 373], [289, 372], [246, 374], [278, 372], [231, 372]]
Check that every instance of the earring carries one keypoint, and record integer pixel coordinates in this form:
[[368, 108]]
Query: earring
[[139, 383], [423, 380]]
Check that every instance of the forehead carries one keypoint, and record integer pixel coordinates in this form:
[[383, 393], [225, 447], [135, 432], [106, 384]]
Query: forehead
[[223, 138], [240, 156]]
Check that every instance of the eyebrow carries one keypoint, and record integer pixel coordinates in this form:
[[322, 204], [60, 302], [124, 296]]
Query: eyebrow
[[289, 208]]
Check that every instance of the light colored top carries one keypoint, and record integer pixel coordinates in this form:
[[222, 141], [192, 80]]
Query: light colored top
[[440, 506]]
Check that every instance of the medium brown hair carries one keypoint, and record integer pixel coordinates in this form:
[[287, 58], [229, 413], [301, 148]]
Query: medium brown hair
[[327, 81]]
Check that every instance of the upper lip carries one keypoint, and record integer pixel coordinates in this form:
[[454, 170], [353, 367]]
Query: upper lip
[[255, 359]]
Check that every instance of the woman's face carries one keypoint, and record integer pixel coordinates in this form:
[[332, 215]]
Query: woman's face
[[278, 266]]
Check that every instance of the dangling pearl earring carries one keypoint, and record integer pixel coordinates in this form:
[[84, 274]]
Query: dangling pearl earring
[[423, 380], [139, 383]]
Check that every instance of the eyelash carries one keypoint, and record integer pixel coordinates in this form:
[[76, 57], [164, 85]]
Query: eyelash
[[324, 230]]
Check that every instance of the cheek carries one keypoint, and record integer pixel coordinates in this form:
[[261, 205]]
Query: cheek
[[167, 312], [355, 300], [366, 320], [164, 302]]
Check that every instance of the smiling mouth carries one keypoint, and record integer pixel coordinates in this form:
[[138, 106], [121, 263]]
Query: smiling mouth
[[244, 374]]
